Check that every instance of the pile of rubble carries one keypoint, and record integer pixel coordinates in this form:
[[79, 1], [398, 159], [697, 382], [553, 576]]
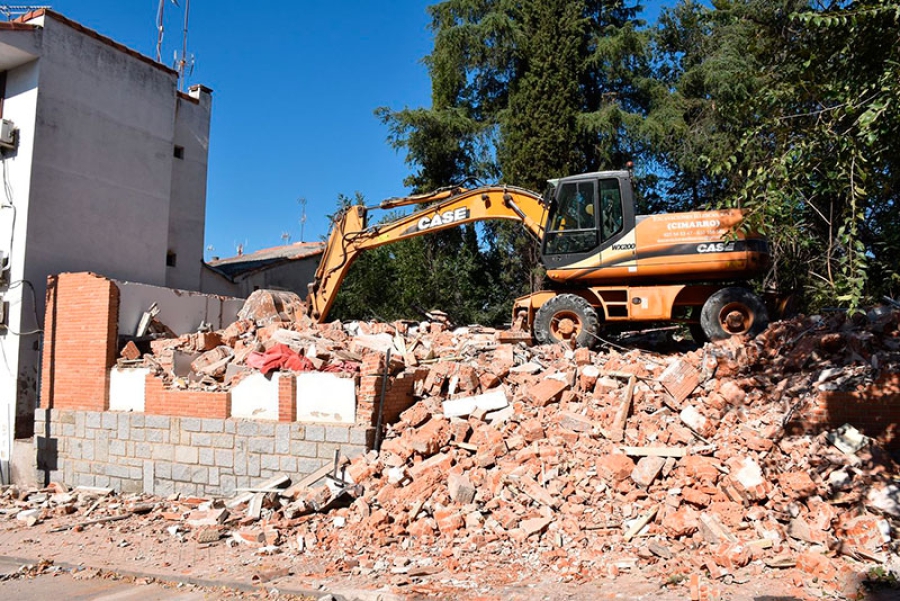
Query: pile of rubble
[[576, 464]]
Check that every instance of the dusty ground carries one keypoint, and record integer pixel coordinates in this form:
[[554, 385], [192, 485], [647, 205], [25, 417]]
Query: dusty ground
[[123, 548]]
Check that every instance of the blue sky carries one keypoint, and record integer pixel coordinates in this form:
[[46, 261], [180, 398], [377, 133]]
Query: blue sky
[[295, 89]]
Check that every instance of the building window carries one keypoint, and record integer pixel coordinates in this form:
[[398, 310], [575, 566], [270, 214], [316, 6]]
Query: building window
[[171, 259], [179, 152]]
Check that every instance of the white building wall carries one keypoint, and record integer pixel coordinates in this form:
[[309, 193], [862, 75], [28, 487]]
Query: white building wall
[[19, 355], [187, 213], [103, 160]]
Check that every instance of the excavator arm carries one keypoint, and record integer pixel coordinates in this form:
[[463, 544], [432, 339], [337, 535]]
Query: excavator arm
[[350, 234]]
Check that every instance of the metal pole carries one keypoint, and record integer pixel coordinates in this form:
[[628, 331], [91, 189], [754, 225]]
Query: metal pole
[[384, 379]]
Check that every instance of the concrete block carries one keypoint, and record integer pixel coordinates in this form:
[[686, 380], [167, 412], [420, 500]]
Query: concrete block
[[101, 446], [143, 450], [361, 436], [191, 424], [109, 420], [324, 397], [224, 457], [201, 439], [327, 449], [213, 425], [240, 463], [315, 433], [200, 475], [126, 389], [87, 450], [116, 448], [246, 428], [304, 449], [337, 434], [186, 455], [256, 397], [288, 465], [283, 439], [149, 477], [270, 462], [156, 436], [92, 419], [227, 485], [262, 445], [162, 452], [181, 473], [161, 422], [163, 487]]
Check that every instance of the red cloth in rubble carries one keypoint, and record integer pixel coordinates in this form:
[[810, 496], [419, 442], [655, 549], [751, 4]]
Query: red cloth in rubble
[[279, 357]]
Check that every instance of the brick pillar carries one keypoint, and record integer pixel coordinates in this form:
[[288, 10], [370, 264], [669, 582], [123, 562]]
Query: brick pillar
[[80, 337], [287, 398]]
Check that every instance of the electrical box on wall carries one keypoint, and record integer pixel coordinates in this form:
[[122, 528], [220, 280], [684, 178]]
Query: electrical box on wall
[[8, 134]]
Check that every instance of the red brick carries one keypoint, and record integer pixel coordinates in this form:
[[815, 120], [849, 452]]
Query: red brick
[[546, 391]]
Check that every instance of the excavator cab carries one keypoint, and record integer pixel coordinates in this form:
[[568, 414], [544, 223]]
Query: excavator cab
[[587, 213]]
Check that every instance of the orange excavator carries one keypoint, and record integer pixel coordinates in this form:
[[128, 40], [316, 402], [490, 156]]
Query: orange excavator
[[605, 264]]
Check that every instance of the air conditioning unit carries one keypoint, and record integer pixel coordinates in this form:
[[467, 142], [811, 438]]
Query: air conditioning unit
[[8, 134]]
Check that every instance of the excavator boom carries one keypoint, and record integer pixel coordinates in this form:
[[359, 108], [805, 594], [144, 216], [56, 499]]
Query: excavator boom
[[351, 235]]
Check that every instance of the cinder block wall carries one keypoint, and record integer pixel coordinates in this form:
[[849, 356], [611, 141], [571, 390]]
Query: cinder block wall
[[135, 452], [185, 440]]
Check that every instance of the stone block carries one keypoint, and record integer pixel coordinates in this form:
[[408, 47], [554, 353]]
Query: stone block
[[201, 439], [361, 436], [326, 450], [116, 448], [282, 439], [315, 433], [246, 428], [337, 434], [230, 426], [240, 463], [227, 485], [143, 450], [253, 466], [298, 431], [93, 419], [161, 422], [181, 472], [304, 449], [262, 445], [270, 462], [137, 420], [137, 434], [162, 471], [206, 456], [187, 455], [163, 487], [223, 441], [214, 476], [200, 475], [224, 457], [288, 464], [162, 452], [308, 466], [109, 421], [191, 424], [153, 435], [265, 429], [213, 425]]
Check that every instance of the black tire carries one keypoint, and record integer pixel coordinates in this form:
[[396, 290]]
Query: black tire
[[566, 318], [731, 312]]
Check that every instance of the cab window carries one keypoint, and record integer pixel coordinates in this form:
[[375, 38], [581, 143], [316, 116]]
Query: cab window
[[611, 218], [573, 227]]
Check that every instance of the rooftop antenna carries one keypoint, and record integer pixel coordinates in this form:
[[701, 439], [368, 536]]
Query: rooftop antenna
[[302, 202], [286, 237], [14, 11], [182, 62]]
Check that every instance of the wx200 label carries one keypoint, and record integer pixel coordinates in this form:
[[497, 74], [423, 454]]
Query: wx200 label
[[444, 218]]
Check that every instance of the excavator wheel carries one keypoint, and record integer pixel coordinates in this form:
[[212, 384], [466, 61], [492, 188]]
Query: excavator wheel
[[566, 318], [733, 311]]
